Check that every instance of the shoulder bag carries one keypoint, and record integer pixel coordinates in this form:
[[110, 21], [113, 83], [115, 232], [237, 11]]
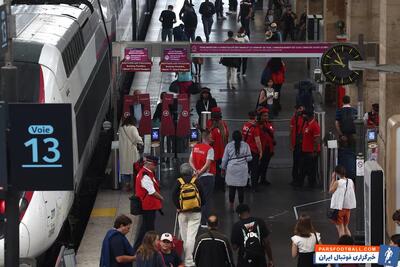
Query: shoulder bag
[[332, 214], [139, 146]]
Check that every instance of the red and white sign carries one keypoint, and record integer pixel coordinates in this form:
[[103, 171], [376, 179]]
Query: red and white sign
[[136, 60], [286, 50], [144, 101], [175, 60]]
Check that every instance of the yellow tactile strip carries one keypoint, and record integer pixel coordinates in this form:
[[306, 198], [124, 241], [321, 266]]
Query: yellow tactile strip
[[103, 212]]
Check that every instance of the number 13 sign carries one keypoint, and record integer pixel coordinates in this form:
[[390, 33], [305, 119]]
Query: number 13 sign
[[40, 147]]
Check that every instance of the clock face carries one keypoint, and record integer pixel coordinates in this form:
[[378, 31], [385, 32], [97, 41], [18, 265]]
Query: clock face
[[335, 64]]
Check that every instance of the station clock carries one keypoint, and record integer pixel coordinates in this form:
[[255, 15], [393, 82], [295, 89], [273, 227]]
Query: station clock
[[335, 64]]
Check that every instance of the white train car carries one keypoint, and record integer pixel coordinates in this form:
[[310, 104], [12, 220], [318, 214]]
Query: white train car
[[62, 52]]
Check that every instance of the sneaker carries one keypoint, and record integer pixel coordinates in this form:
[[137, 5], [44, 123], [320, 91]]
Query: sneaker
[[223, 18], [228, 13], [204, 226]]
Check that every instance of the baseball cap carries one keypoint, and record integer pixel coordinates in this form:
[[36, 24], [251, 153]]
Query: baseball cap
[[274, 25], [166, 236]]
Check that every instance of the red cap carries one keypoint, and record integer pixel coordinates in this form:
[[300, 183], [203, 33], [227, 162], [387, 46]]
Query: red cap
[[216, 109], [263, 110]]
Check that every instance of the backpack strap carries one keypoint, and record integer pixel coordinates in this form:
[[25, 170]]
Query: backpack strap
[[181, 181]]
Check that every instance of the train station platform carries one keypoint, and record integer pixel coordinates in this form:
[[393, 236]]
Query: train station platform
[[275, 203]]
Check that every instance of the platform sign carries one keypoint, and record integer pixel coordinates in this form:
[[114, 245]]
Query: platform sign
[[286, 50], [136, 60], [175, 60], [3, 147], [3, 26], [40, 145]]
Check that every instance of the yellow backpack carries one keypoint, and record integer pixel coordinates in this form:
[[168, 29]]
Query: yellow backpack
[[189, 196]]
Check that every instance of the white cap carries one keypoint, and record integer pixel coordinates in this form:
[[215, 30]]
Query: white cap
[[166, 236], [273, 25]]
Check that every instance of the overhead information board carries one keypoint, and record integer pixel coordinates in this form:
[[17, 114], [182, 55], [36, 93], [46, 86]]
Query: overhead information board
[[40, 146], [286, 50]]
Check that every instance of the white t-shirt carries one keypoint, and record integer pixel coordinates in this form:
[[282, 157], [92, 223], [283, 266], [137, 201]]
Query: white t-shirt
[[306, 244], [270, 95], [148, 184]]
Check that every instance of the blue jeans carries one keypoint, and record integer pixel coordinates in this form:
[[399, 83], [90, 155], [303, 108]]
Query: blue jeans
[[207, 24], [207, 184], [165, 33]]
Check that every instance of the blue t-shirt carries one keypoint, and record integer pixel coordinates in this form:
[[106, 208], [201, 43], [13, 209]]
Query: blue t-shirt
[[172, 259], [118, 248]]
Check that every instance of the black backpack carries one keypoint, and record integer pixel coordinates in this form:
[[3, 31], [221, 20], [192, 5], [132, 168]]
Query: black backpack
[[253, 252], [208, 9], [347, 125]]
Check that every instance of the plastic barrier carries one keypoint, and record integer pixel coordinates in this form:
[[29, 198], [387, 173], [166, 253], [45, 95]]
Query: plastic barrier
[[167, 127], [183, 128], [144, 101]]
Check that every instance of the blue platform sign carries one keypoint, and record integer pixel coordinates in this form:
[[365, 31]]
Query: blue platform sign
[[40, 145], [3, 146]]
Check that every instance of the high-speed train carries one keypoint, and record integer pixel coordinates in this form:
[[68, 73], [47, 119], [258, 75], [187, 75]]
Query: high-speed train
[[62, 52]]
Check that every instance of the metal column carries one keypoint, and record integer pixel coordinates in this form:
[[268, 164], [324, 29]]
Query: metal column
[[322, 166]]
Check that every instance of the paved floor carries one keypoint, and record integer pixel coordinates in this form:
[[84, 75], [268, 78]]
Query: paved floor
[[275, 203]]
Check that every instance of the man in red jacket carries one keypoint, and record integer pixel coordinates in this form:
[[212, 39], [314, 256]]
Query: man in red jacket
[[310, 150], [147, 188], [251, 135], [219, 134], [266, 133], [202, 161]]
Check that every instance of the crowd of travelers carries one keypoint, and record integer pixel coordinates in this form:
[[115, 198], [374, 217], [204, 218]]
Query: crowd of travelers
[[280, 21], [218, 163]]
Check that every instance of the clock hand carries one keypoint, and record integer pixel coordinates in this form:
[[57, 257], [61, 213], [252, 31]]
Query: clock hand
[[340, 63], [340, 59]]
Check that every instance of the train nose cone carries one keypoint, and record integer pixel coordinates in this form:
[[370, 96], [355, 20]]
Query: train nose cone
[[23, 244]]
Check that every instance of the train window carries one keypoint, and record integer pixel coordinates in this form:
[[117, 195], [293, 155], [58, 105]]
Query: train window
[[73, 52]]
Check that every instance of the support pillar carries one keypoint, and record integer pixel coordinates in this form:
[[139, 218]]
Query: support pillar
[[389, 93]]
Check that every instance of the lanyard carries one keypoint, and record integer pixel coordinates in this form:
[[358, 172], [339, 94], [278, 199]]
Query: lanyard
[[206, 105]]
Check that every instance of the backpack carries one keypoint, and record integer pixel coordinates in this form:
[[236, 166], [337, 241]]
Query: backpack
[[189, 195], [208, 10], [305, 96], [278, 77], [347, 125], [190, 19], [252, 244]]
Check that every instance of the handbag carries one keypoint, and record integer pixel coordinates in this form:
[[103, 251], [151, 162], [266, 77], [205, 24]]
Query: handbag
[[332, 214], [174, 87], [139, 146], [135, 205]]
